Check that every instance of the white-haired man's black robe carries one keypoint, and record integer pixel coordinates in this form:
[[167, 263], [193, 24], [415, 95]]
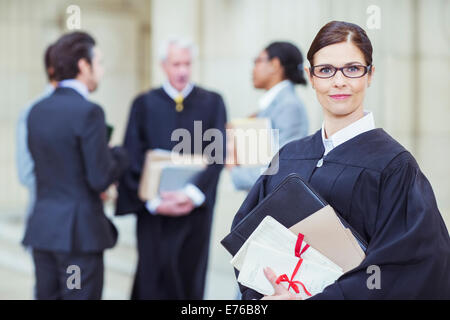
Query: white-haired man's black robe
[[173, 251]]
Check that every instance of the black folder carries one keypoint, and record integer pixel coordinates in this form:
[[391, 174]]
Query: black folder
[[109, 132], [290, 202]]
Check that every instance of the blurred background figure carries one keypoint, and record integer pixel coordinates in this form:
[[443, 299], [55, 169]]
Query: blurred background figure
[[173, 230], [25, 164], [277, 69], [67, 229], [410, 97]]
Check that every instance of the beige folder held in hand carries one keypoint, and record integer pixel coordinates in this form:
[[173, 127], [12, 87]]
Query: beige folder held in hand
[[324, 231], [156, 161], [253, 143]]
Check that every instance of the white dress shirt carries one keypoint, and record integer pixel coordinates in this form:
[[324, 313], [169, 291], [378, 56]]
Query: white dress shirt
[[194, 193], [366, 123], [173, 93], [267, 98], [76, 85]]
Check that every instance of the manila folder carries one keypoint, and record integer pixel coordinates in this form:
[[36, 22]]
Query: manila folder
[[324, 231]]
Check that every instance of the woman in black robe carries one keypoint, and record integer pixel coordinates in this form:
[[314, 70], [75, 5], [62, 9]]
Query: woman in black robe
[[366, 176]]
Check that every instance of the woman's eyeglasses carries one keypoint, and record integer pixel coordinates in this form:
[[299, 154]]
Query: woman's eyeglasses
[[260, 59], [326, 71]]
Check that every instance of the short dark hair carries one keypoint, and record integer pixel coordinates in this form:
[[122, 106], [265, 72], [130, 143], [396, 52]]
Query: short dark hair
[[291, 60], [68, 50], [340, 31], [49, 68]]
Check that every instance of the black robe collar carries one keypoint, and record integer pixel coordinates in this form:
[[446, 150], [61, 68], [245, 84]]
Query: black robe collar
[[164, 94], [372, 149]]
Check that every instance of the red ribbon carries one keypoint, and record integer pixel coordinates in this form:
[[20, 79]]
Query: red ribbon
[[298, 245], [298, 253]]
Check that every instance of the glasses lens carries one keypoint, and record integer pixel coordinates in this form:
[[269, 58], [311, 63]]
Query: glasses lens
[[354, 71], [324, 71], [260, 60]]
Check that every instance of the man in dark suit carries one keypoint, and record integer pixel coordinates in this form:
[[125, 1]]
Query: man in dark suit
[[67, 138]]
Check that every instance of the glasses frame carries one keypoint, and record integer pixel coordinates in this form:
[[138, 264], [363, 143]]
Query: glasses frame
[[366, 70], [259, 60]]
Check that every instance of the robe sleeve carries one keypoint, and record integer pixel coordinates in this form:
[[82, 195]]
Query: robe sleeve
[[208, 179], [128, 200], [408, 256], [256, 195]]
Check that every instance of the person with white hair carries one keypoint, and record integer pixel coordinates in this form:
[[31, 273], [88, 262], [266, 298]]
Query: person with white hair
[[173, 230]]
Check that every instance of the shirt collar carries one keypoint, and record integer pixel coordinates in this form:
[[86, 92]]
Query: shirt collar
[[173, 93], [366, 123], [76, 85], [268, 97], [48, 90]]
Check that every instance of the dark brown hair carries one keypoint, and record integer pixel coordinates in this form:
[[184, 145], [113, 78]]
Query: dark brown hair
[[340, 31], [49, 68], [68, 50]]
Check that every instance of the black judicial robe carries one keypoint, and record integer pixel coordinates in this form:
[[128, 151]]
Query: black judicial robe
[[377, 186], [173, 252]]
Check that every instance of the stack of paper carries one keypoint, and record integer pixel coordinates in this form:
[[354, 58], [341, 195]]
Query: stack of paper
[[167, 171], [253, 142], [272, 245]]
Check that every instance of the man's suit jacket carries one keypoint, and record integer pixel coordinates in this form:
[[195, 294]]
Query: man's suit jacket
[[287, 114], [67, 138]]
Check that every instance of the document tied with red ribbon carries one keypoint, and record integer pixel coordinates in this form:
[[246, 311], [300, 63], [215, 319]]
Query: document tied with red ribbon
[[300, 268]]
